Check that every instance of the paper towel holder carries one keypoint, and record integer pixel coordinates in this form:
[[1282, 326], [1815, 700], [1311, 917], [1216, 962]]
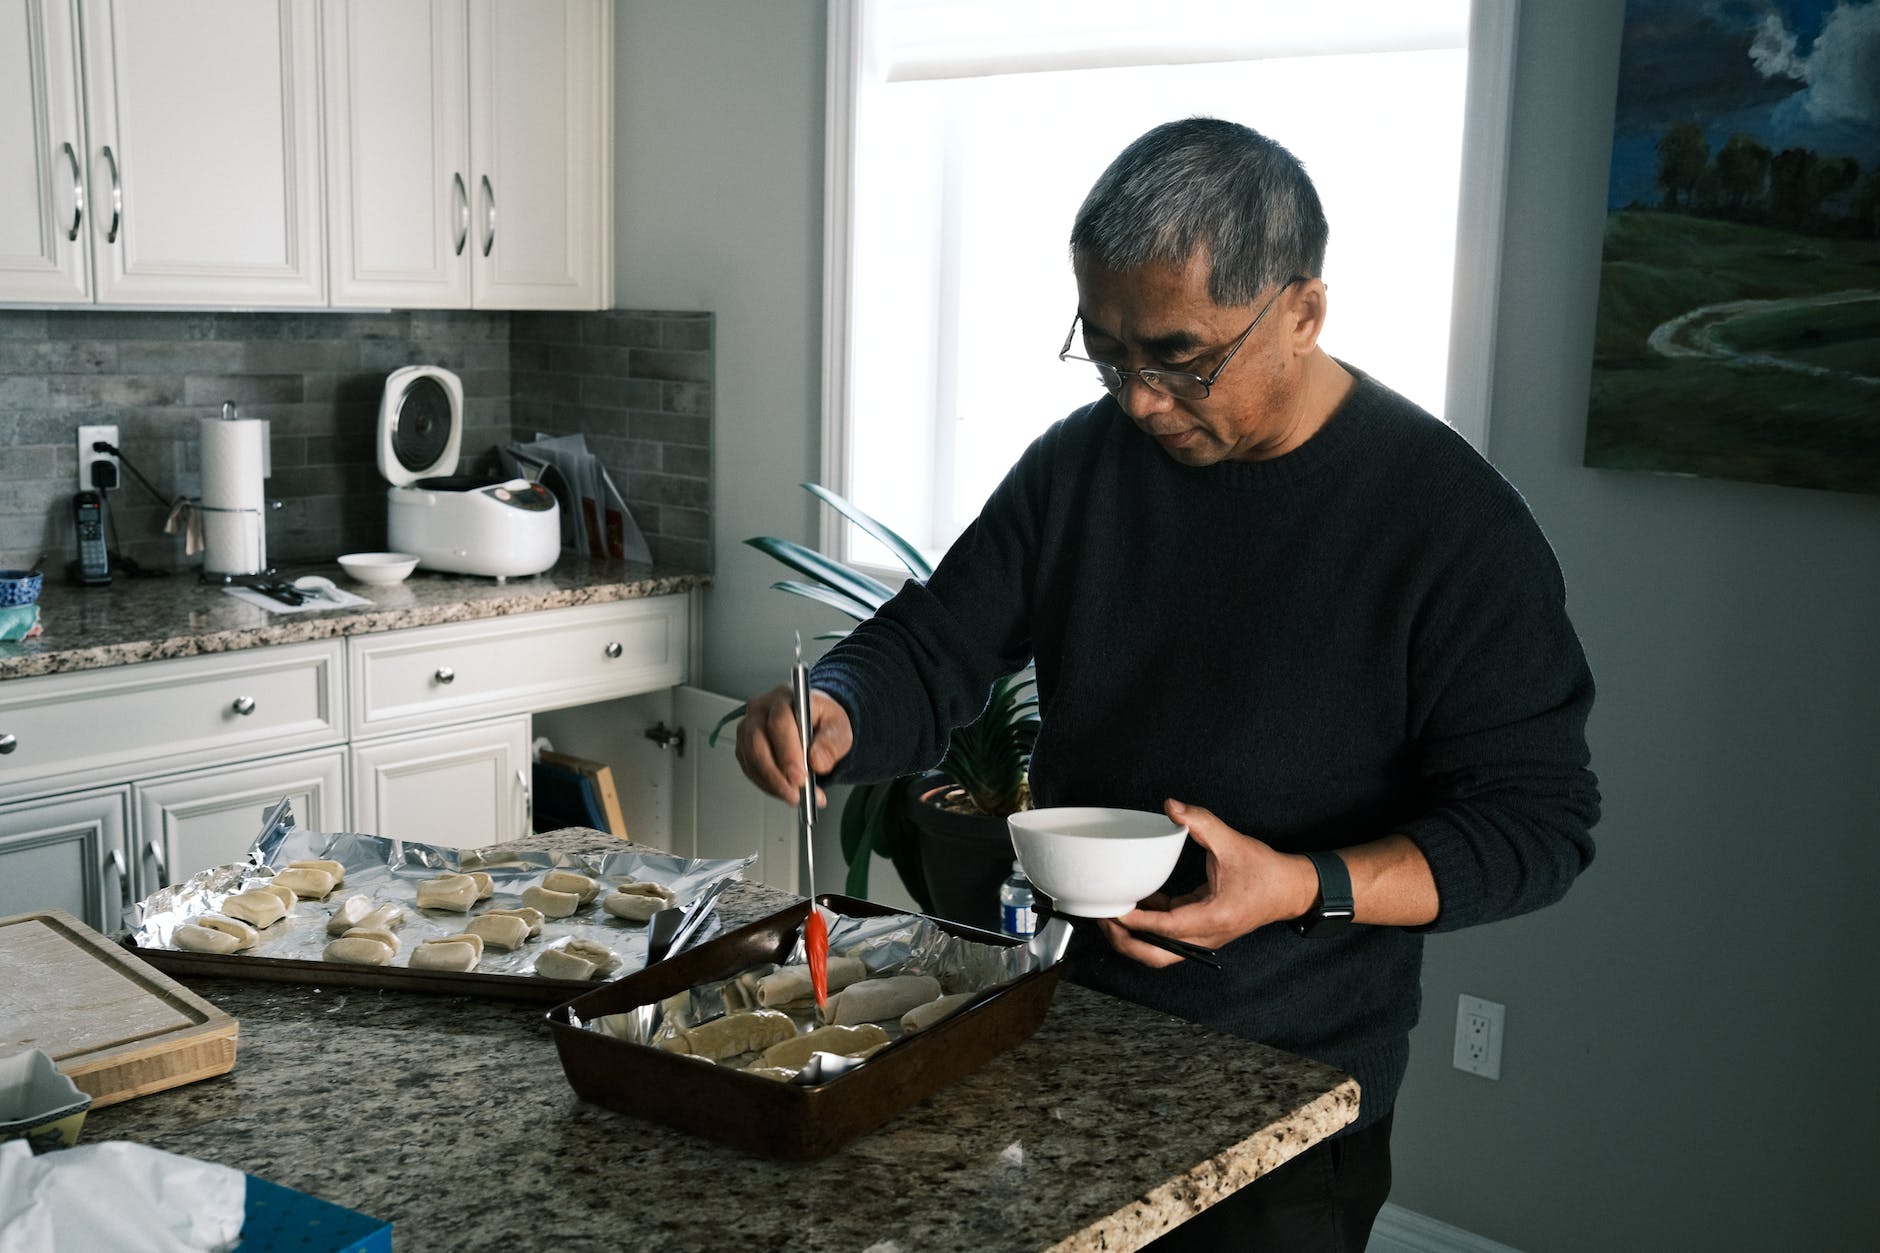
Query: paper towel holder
[[258, 514]]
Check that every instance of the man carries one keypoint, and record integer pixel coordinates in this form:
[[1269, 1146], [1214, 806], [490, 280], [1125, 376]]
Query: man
[[1281, 603]]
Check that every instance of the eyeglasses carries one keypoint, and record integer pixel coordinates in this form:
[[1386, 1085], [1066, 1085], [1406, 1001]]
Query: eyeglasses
[[1177, 383]]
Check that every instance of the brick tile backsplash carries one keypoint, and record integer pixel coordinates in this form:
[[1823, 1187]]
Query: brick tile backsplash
[[636, 384]]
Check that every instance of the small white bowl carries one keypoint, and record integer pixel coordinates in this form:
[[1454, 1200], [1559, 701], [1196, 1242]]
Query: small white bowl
[[1095, 862], [378, 567]]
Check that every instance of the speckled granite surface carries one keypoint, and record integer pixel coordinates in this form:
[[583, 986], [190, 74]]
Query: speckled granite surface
[[451, 1118], [148, 619]]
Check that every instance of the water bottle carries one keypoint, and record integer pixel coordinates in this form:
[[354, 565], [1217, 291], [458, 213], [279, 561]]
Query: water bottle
[[1017, 918]]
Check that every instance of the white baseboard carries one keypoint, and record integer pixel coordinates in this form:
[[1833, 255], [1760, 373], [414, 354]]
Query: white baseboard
[[1399, 1230]]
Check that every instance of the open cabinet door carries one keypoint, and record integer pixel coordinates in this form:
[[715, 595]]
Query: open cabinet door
[[715, 805]]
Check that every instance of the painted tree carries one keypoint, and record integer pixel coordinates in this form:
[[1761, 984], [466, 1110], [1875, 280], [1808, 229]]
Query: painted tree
[[1683, 156], [1742, 172]]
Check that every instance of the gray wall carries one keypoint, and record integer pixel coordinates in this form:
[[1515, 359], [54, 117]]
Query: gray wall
[[1687, 1033]]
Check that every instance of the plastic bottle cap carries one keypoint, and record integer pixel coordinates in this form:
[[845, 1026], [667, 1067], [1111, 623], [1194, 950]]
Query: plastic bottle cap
[[1017, 869]]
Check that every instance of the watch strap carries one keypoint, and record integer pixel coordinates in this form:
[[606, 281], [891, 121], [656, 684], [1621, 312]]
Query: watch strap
[[1334, 909]]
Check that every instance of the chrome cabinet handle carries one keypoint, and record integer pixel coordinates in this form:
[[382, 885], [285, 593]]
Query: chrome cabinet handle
[[614, 649], [489, 216], [114, 867], [8, 743], [462, 196], [445, 675], [78, 194], [244, 705], [153, 857], [528, 799], [117, 199]]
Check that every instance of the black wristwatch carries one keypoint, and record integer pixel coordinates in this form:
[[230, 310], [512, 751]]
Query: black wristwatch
[[1332, 912]]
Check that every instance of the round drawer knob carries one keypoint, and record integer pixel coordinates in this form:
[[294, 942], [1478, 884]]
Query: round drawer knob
[[614, 649], [445, 675], [8, 743], [244, 705]]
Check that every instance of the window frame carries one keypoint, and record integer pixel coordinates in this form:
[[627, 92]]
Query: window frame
[[1480, 212]]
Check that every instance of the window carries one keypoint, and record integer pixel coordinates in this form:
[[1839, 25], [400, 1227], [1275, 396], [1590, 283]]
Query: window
[[963, 134]]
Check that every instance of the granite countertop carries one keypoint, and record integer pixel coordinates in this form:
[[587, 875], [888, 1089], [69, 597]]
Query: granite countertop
[[149, 619], [451, 1118]]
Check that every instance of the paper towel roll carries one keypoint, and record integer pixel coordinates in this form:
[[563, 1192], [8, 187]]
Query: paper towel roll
[[234, 463]]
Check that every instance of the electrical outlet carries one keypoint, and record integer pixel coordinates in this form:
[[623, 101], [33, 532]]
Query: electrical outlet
[[1478, 1036], [88, 457]]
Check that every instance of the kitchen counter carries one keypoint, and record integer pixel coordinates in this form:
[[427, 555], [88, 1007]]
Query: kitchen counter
[[451, 1118], [149, 619]]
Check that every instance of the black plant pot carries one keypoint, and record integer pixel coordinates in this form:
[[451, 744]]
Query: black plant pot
[[964, 856]]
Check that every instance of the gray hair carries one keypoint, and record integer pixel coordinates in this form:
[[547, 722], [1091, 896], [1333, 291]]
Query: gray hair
[[1204, 183]]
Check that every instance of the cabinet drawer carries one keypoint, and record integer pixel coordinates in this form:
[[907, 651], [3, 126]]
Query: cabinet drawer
[[411, 680], [75, 729]]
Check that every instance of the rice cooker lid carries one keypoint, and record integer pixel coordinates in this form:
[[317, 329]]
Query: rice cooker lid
[[420, 424]]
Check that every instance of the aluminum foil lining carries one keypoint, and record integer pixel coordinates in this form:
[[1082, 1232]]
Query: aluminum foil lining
[[888, 944], [388, 870]]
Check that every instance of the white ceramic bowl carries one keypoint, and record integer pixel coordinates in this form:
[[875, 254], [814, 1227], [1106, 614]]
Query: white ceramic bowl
[[1094, 862], [378, 567]]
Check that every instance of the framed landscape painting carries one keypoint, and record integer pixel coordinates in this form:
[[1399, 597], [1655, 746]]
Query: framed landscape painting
[[1738, 331]]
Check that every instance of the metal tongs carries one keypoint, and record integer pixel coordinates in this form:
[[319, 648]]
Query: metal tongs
[[815, 930]]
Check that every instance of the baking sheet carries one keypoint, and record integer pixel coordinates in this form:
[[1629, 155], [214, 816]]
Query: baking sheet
[[387, 870]]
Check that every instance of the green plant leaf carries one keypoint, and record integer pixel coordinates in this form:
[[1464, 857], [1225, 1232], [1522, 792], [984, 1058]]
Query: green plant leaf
[[812, 564], [724, 722], [827, 595], [904, 552]]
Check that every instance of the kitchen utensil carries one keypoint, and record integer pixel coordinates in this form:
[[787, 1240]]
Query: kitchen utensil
[[1095, 862], [1182, 947], [272, 588], [379, 568], [815, 930]]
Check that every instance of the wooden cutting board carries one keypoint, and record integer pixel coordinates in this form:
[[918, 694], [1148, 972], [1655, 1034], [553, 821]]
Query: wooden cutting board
[[118, 1027]]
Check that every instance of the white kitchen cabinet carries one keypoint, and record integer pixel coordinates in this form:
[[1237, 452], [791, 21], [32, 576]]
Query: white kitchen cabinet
[[467, 787], [204, 818], [469, 153], [67, 852], [44, 253]]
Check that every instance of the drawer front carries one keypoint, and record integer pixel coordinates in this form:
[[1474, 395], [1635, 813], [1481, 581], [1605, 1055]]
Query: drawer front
[[421, 678], [137, 720]]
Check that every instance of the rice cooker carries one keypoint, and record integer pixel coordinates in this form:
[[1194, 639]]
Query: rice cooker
[[456, 523]]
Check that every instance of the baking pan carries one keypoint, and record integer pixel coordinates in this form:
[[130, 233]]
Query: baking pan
[[763, 1116], [532, 989]]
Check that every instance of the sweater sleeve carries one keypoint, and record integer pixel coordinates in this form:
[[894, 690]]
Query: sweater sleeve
[[1500, 693], [926, 661]]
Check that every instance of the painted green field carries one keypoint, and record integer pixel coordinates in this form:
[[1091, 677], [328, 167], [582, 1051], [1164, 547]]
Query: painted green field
[[1784, 392]]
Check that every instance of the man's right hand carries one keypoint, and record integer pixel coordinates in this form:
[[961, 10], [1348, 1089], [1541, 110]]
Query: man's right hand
[[769, 748]]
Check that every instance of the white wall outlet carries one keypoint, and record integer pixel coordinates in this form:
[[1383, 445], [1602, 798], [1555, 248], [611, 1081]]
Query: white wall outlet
[[89, 457], [1478, 1036]]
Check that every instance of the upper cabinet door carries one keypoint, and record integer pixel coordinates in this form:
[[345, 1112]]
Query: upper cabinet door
[[398, 152], [541, 135], [204, 120], [42, 155]]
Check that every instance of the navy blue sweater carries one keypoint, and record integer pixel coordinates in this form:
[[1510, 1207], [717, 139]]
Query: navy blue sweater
[[1367, 635]]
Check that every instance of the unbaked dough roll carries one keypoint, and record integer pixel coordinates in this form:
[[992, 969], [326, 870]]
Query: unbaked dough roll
[[203, 939], [245, 935], [281, 892], [856, 1041], [372, 933], [385, 917], [605, 959], [327, 864], [469, 939], [305, 881], [448, 891], [550, 903], [437, 955], [922, 1017], [558, 963], [533, 917], [877, 1000], [359, 950], [486, 886], [573, 882], [348, 914], [255, 907], [749, 1032], [504, 931], [636, 906], [792, 983]]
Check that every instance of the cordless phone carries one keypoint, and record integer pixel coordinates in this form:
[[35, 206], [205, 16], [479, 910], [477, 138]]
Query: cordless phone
[[93, 567]]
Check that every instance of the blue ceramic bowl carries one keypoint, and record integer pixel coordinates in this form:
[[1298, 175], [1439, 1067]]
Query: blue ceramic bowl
[[19, 587]]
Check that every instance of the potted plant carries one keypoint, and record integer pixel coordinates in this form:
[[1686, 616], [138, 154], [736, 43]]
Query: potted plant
[[944, 830]]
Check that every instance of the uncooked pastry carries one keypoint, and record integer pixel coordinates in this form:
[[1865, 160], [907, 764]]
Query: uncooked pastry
[[203, 939], [385, 917], [243, 933], [749, 1032], [486, 886], [569, 881], [439, 955], [504, 931], [792, 983], [350, 913], [305, 881], [256, 907], [634, 906], [877, 1000], [373, 933], [533, 917], [360, 950], [280, 891], [856, 1041], [557, 963], [550, 903], [449, 891], [332, 867], [922, 1017], [605, 959], [469, 939]]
